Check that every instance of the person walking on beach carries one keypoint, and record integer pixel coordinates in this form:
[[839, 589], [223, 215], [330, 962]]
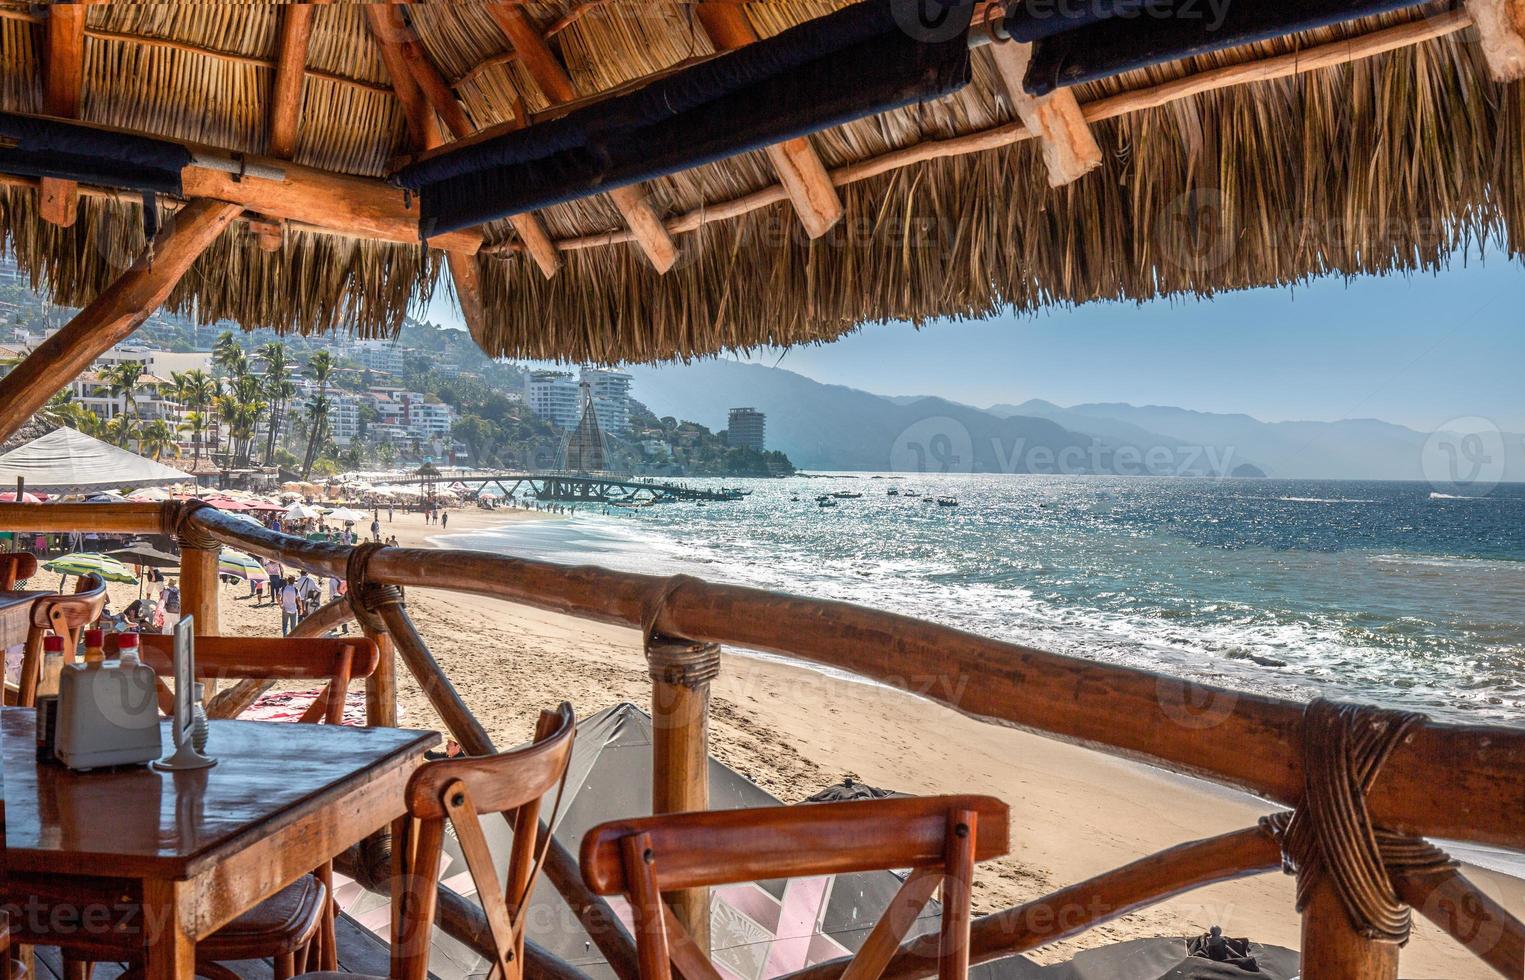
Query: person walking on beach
[[290, 607], [376, 528], [444, 519]]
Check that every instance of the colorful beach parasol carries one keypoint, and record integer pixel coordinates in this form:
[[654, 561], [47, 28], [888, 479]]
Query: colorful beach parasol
[[9, 497], [84, 563], [240, 565]]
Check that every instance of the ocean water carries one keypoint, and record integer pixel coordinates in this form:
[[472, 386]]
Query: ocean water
[[1381, 592]]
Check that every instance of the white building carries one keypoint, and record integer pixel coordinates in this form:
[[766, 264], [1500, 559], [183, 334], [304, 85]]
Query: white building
[[611, 398], [555, 397], [426, 417], [380, 355]]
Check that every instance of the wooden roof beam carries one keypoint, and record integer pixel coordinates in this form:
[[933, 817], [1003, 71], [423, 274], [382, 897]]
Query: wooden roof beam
[[551, 76], [290, 73], [424, 133], [114, 314], [58, 200], [798, 166], [1501, 29], [1068, 146], [420, 87]]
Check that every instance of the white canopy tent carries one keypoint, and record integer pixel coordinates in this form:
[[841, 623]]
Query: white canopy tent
[[66, 461]]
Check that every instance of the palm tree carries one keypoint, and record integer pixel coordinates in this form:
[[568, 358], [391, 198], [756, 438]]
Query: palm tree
[[320, 366], [196, 390], [246, 393], [63, 410], [121, 430], [278, 388], [122, 381], [156, 438], [226, 407], [226, 353]]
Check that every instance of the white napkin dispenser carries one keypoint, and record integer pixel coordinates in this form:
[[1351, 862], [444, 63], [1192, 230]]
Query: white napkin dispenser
[[108, 715]]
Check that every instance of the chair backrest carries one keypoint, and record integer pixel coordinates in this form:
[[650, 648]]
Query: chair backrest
[[337, 660], [940, 838], [65, 615], [461, 790], [16, 567]]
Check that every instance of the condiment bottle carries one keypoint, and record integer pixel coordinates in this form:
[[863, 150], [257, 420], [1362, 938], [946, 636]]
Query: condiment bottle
[[95, 649], [127, 648], [52, 665]]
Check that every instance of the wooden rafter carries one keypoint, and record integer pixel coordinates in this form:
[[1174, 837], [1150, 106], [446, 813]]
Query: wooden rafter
[[1069, 148], [58, 200], [290, 73], [424, 133], [420, 88], [551, 76], [798, 166], [114, 314], [1501, 30]]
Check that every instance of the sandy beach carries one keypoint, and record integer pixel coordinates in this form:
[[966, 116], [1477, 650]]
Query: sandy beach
[[793, 730]]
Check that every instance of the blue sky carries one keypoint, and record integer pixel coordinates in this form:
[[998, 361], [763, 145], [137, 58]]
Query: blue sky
[[1417, 351]]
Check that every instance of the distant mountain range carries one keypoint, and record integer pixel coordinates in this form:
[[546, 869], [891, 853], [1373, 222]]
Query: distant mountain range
[[832, 427]]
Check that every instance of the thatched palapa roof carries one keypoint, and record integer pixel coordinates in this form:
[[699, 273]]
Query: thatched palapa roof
[[1384, 163]]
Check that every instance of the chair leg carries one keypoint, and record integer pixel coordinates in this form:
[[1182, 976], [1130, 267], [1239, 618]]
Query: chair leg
[[77, 969], [327, 935], [285, 966]]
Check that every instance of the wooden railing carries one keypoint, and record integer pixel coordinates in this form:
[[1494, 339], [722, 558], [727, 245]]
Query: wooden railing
[[1428, 779]]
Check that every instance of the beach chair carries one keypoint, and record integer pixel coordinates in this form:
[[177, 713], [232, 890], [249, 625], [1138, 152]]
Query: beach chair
[[64, 615], [938, 838], [294, 927], [16, 567], [460, 791]]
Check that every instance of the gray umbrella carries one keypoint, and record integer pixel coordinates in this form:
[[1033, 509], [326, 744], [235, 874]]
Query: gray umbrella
[[1169, 959], [143, 553], [758, 930]]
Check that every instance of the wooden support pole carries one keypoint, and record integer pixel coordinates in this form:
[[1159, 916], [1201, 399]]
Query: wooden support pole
[[365, 602], [1331, 947], [1501, 30], [420, 88], [290, 74], [1069, 148], [114, 314], [551, 77], [681, 672], [799, 168], [198, 586], [58, 200]]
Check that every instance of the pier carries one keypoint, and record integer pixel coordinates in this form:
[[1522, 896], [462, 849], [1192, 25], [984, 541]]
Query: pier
[[578, 488]]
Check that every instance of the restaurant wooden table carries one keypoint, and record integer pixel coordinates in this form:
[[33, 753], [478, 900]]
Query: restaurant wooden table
[[15, 617], [198, 848]]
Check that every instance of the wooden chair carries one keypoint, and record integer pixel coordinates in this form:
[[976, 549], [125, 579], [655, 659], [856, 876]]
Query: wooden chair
[[64, 615], [295, 926], [16, 567], [460, 791], [939, 838]]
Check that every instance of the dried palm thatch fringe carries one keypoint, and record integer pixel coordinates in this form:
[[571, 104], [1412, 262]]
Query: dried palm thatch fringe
[[1387, 165], [1384, 166], [317, 283]]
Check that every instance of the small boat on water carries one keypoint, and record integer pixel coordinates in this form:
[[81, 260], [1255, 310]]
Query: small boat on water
[[892, 492], [825, 501], [947, 502], [846, 495], [795, 498], [909, 493]]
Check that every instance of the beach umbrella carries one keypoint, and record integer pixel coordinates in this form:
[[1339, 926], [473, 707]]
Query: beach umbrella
[[245, 518], [1170, 959], [300, 512], [105, 497], [226, 503], [346, 515], [240, 565], [758, 929], [85, 563], [9, 497], [149, 495], [143, 553]]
